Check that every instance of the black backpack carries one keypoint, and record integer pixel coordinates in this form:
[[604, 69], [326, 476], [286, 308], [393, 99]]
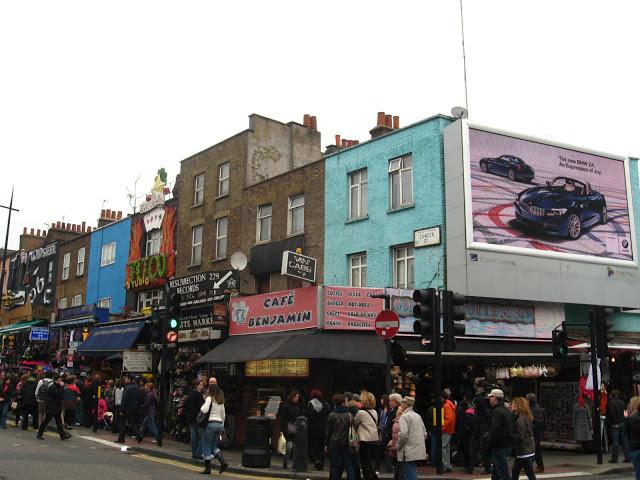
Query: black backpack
[[42, 393]]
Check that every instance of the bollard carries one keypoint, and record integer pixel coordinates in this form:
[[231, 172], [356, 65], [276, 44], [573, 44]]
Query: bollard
[[300, 446]]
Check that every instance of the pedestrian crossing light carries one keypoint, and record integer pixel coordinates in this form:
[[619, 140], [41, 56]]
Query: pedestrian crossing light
[[173, 310], [604, 324], [454, 312], [427, 313], [559, 340]]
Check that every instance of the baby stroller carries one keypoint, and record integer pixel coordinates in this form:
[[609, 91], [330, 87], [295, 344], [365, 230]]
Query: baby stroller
[[105, 419]]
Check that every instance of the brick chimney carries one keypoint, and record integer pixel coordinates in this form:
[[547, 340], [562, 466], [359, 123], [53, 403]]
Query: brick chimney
[[106, 217], [384, 124]]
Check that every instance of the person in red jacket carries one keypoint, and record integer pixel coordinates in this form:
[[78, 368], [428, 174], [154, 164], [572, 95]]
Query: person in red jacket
[[448, 429]]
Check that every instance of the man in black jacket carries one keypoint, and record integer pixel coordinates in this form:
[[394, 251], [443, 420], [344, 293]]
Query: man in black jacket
[[53, 408], [615, 421], [192, 405], [129, 408], [538, 425], [500, 436]]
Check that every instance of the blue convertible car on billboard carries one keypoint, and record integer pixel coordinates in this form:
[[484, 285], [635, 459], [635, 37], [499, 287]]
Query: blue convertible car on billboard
[[565, 207], [514, 168]]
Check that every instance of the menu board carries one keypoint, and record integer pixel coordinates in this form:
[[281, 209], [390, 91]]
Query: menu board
[[277, 368]]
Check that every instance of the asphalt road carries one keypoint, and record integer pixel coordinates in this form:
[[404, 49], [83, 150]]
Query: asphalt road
[[23, 457]]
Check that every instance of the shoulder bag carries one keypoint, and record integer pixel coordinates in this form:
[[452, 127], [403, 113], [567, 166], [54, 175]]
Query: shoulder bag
[[353, 439], [202, 419]]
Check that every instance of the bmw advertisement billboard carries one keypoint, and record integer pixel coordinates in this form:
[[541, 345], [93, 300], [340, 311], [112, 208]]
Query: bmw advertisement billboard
[[545, 199]]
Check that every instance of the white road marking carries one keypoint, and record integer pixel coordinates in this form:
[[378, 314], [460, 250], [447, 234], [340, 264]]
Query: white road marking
[[101, 441]]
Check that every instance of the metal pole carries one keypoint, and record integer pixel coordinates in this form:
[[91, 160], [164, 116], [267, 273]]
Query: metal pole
[[162, 390], [6, 243], [437, 349], [387, 345], [596, 385]]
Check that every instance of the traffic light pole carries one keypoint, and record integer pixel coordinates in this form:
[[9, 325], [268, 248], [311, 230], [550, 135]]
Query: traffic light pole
[[162, 387], [437, 378], [596, 385]]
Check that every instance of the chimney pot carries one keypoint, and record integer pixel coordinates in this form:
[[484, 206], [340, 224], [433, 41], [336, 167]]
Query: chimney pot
[[24, 230], [338, 140], [84, 226], [44, 233], [388, 121], [108, 213], [344, 143], [396, 122], [380, 118], [103, 213], [58, 225], [306, 121], [119, 215], [314, 123], [68, 227], [356, 142], [32, 232], [76, 227], [38, 232], [89, 229]]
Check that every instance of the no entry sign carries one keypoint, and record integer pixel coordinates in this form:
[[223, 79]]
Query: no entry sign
[[387, 324]]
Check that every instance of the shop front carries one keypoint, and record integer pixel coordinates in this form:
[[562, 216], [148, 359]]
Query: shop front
[[24, 346], [73, 325]]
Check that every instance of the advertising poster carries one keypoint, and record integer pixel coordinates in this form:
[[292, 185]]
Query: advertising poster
[[274, 312], [533, 320], [402, 303], [350, 308], [545, 198]]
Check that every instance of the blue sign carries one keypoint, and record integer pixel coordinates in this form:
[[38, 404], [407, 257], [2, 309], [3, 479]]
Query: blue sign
[[39, 334]]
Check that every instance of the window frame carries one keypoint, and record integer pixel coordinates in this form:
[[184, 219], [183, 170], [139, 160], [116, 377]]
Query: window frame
[[102, 300], [196, 245], [400, 170], [79, 302], [66, 265], [198, 191], [110, 250], [223, 182], [405, 259], [361, 266], [61, 302], [290, 213], [260, 219], [363, 209], [148, 297], [151, 240], [219, 238], [80, 262]]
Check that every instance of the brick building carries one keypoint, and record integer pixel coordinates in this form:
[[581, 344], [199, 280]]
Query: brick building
[[73, 258]]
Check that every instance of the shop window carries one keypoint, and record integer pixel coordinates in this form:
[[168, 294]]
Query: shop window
[[154, 239], [223, 179], [401, 182], [66, 261], [263, 283], [80, 265], [196, 245], [108, 254], [198, 195], [104, 303], [403, 271], [77, 300], [264, 223], [150, 298], [221, 237], [358, 270], [295, 220], [358, 194]]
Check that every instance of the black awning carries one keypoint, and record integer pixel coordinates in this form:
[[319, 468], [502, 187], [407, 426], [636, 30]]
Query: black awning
[[347, 346]]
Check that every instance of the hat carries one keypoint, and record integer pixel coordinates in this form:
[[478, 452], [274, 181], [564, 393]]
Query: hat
[[496, 392], [409, 401]]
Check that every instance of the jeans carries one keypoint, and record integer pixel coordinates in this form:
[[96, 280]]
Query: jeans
[[210, 439], [340, 459], [635, 458], [80, 414], [523, 463], [446, 450], [196, 441], [500, 459], [618, 436], [409, 470], [4, 411], [149, 423]]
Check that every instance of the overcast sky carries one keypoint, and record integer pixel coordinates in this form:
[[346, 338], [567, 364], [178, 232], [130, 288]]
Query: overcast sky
[[96, 94]]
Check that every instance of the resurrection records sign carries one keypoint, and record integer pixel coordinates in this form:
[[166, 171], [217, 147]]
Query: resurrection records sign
[[350, 308], [528, 196]]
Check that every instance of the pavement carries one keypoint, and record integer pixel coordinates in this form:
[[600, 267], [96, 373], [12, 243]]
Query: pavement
[[558, 464]]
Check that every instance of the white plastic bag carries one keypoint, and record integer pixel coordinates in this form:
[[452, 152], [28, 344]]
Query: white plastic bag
[[282, 444]]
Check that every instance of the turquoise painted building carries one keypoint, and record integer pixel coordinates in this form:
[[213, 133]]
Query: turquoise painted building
[[376, 194], [109, 254]]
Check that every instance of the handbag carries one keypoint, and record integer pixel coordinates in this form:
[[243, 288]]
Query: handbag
[[222, 441], [202, 419], [353, 438], [14, 406]]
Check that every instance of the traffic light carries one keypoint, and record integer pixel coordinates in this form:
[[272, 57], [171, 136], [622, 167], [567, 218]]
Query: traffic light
[[604, 323], [427, 312], [453, 306], [559, 340], [156, 326], [173, 310]]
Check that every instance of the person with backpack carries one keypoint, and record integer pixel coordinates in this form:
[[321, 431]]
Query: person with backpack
[[317, 414], [41, 394], [539, 425], [366, 425], [339, 423], [53, 408]]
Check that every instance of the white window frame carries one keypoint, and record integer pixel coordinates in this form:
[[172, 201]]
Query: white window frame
[[50, 272], [149, 298], [104, 303], [405, 255], [293, 210], [66, 262], [221, 240], [223, 181], [358, 186], [153, 242], [358, 270], [198, 192], [398, 167], [80, 264], [77, 300], [108, 256], [62, 303], [264, 220], [196, 247]]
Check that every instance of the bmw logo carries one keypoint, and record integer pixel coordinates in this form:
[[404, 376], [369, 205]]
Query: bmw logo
[[625, 243], [473, 257]]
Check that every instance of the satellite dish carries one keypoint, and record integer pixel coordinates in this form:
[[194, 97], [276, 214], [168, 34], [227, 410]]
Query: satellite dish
[[238, 261], [459, 112]]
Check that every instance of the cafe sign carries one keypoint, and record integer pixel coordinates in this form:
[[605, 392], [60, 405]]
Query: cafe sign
[[349, 308]]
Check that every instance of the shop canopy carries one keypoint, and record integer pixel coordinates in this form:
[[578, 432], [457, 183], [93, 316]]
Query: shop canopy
[[19, 327], [348, 346], [107, 340]]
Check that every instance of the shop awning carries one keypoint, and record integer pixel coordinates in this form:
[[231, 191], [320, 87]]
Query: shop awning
[[111, 339], [348, 346], [625, 347], [19, 327], [74, 322]]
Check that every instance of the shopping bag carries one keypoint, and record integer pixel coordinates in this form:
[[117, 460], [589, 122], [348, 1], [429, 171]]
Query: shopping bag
[[282, 444]]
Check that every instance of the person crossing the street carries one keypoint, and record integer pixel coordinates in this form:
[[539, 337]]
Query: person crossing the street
[[53, 408]]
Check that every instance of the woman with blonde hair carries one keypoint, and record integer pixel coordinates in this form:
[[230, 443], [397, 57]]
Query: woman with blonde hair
[[366, 424], [525, 447], [213, 408]]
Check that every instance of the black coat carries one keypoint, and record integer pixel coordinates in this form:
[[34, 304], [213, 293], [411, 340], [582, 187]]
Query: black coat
[[502, 428], [317, 419], [131, 399], [192, 405], [29, 393], [53, 400], [288, 414]]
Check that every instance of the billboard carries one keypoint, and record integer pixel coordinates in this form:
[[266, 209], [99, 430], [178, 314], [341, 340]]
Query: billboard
[[532, 197]]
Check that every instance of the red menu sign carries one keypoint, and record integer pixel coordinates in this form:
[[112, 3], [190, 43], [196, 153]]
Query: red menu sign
[[349, 308], [274, 312]]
